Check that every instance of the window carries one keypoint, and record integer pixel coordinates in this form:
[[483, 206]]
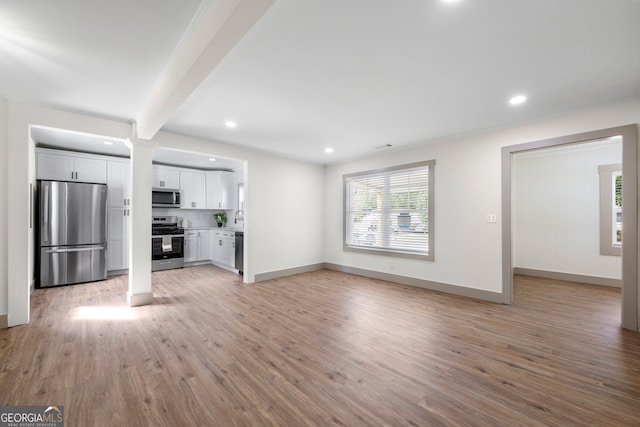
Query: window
[[390, 211], [610, 209]]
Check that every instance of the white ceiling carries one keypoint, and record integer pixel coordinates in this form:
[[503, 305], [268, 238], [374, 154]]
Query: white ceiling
[[63, 139], [310, 74]]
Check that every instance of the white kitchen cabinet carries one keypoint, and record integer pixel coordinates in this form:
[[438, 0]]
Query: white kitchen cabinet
[[166, 177], [203, 245], [192, 190], [118, 213], [71, 167], [117, 238], [118, 183], [191, 245], [220, 190], [197, 246], [223, 247]]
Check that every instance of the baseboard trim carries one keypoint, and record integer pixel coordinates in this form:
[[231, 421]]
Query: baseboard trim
[[261, 277], [4, 321], [137, 300], [569, 277], [421, 283]]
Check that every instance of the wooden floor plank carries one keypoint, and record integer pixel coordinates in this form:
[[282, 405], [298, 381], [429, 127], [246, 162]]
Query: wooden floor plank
[[323, 348]]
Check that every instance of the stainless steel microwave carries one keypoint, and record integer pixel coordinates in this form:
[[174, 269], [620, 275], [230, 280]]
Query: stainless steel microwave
[[165, 198]]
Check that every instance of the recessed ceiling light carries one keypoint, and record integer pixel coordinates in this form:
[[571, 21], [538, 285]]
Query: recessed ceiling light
[[107, 142], [328, 150], [211, 159], [517, 100], [230, 124]]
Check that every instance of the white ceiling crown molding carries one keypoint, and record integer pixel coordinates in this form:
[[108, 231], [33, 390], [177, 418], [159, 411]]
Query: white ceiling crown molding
[[215, 30]]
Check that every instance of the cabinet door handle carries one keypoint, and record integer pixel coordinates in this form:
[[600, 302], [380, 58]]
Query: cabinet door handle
[[161, 183], [76, 175], [71, 174]]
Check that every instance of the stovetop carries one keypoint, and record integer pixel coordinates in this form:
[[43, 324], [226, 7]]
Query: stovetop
[[165, 225]]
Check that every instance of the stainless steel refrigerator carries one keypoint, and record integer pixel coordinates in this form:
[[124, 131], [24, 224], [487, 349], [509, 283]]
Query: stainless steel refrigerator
[[71, 232]]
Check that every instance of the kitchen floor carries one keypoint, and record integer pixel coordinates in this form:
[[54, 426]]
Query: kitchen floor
[[322, 348]]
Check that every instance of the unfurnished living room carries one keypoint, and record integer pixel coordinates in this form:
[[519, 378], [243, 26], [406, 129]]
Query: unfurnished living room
[[305, 212]]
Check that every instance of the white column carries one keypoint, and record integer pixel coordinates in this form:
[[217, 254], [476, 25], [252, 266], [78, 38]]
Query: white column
[[140, 292]]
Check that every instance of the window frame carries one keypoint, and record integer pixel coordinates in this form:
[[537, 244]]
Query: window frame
[[430, 255], [607, 193]]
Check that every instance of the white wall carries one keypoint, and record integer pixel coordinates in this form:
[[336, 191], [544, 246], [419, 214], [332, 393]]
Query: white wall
[[4, 159], [467, 184], [556, 209], [467, 187]]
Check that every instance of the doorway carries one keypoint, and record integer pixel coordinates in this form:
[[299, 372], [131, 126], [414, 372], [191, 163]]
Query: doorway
[[629, 303]]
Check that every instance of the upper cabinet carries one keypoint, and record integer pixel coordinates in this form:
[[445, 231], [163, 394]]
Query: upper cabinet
[[192, 190], [118, 183], [71, 167], [220, 190], [166, 177]]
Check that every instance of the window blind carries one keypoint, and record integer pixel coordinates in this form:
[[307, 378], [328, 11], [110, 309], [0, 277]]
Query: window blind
[[389, 210]]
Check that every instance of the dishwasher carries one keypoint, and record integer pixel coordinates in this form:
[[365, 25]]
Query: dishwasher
[[239, 251]]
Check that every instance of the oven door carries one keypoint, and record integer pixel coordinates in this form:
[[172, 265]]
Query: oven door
[[167, 247], [167, 252]]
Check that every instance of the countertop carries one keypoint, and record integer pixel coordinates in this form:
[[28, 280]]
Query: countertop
[[214, 227]]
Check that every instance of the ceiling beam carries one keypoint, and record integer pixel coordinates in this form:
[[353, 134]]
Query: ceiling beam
[[217, 27]]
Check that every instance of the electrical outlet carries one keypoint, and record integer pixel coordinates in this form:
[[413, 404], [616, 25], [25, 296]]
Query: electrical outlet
[[491, 218]]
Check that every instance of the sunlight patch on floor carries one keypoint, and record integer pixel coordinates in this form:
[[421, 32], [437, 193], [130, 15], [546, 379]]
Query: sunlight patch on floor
[[105, 313]]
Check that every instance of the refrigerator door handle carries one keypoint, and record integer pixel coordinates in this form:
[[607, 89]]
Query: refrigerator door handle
[[82, 249], [45, 226]]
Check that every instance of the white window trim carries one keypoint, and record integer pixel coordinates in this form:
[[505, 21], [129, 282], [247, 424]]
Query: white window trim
[[392, 252], [607, 247]]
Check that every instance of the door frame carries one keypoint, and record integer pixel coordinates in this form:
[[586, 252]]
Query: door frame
[[629, 303]]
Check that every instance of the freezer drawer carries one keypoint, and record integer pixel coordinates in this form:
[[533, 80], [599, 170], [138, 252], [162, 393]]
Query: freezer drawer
[[64, 265]]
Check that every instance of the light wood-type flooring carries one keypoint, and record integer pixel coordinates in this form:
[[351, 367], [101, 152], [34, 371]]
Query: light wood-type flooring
[[323, 348]]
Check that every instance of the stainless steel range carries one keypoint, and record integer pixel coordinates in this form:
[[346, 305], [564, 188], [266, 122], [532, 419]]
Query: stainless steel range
[[167, 242]]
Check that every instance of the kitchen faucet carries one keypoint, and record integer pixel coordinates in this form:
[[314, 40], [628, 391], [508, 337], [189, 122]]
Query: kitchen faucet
[[235, 220]]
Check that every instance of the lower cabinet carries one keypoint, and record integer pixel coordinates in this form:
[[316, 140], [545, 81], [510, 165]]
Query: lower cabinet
[[117, 239], [223, 247], [204, 253], [191, 246], [210, 245], [196, 245]]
